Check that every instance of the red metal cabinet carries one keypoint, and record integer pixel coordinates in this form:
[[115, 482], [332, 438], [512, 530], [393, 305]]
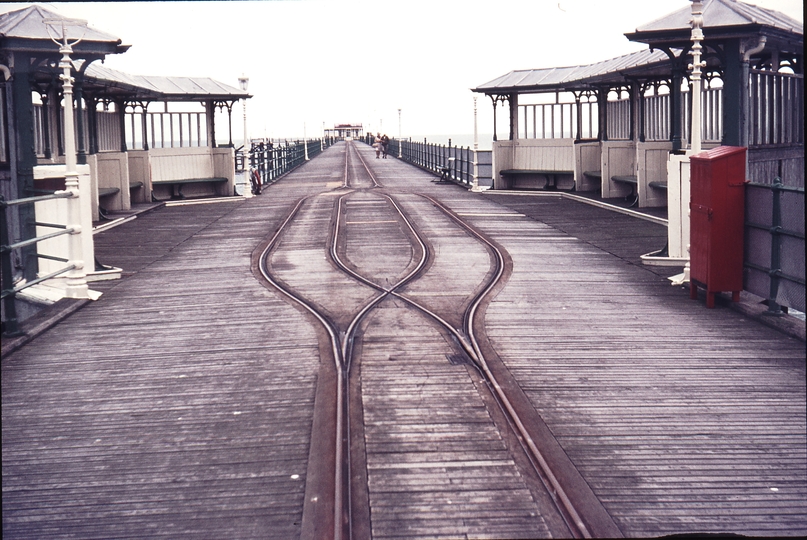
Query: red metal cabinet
[[717, 212]]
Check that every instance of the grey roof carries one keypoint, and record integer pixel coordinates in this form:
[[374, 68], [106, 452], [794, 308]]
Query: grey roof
[[161, 88], [717, 13], [612, 70], [672, 31], [28, 23]]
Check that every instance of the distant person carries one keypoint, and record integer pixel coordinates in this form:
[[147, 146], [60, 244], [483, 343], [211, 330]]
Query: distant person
[[384, 145], [377, 145]]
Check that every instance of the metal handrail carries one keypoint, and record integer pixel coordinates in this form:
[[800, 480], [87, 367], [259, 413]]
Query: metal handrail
[[30, 200], [776, 230], [273, 162], [9, 293], [15, 290], [35, 240]]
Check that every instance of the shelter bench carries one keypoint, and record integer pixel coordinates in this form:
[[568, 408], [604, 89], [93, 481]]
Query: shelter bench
[[445, 170], [633, 182], [658, 185], [551, 175], [105, 192], [176, 185]]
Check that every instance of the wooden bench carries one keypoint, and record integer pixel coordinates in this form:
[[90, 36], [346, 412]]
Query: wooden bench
[[176, 185], [658, 185], [593, 174], [633, 182], [103, 213], [551, 175], [107, 191]]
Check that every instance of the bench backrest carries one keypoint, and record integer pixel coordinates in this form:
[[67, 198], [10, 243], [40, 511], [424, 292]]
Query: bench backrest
[[535, 154], [180, 163]]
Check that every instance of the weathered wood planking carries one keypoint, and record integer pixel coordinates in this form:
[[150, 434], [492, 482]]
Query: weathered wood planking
[[682, 419], [436, 463], [188, 410], [178, 405], [626, 376]]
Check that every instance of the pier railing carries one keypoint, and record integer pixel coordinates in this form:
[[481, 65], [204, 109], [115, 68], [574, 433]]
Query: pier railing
[[774, 231], [273, 159], [9, 288], [457, 161]]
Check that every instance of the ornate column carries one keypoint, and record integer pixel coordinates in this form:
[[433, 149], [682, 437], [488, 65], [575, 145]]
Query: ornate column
[[695, 66], [76, 283]]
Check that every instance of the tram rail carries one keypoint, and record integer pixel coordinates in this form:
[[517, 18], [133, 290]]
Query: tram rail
[[342, 341]]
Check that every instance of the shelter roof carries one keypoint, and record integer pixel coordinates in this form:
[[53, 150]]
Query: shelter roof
[[611, 71], [724, 13], [156, 88], [26, 29], [721, 18]]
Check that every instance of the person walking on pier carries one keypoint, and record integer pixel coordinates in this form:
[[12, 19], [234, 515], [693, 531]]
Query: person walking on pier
[[377, 144], [384, 144]]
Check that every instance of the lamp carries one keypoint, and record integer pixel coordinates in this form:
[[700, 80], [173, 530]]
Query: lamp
[[76, 283], [243, 83]]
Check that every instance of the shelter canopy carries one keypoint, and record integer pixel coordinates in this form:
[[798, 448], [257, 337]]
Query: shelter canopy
[[26, 30], [111, 83], [723, 19], [606, 72], [668, 37]]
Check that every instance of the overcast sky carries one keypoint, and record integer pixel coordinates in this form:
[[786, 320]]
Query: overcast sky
[[311, 62]]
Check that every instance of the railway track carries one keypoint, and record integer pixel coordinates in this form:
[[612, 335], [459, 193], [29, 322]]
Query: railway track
[[361, 212]]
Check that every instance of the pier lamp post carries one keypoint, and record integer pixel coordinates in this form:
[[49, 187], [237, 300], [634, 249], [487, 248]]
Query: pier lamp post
[[305, 142], [695, 66], [400, 142], [243, 82], [695, 132], [475, 186], [76, 283]]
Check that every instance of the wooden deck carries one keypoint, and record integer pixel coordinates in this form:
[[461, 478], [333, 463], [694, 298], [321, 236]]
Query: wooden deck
[[181, 403]]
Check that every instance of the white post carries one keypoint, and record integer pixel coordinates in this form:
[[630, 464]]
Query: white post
[[400, 142], [475, 186], [76, 282], [305, 144], [695, 66], [695, 134], [243, 82]]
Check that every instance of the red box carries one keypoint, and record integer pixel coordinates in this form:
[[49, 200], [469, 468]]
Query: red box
[[717, 212]]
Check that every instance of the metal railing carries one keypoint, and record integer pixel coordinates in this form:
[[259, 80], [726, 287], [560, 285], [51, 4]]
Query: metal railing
[[455, 162], [9, 290], [774, 258], [272, 160]]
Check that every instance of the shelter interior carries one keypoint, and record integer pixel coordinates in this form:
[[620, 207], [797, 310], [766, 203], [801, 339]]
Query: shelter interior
[[613, 125], [138, 139], [136, 133]]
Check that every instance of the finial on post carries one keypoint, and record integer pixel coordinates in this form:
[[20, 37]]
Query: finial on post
[[696, 65]]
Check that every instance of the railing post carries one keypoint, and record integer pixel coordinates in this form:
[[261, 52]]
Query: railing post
[[9, 303], [776, 263]]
